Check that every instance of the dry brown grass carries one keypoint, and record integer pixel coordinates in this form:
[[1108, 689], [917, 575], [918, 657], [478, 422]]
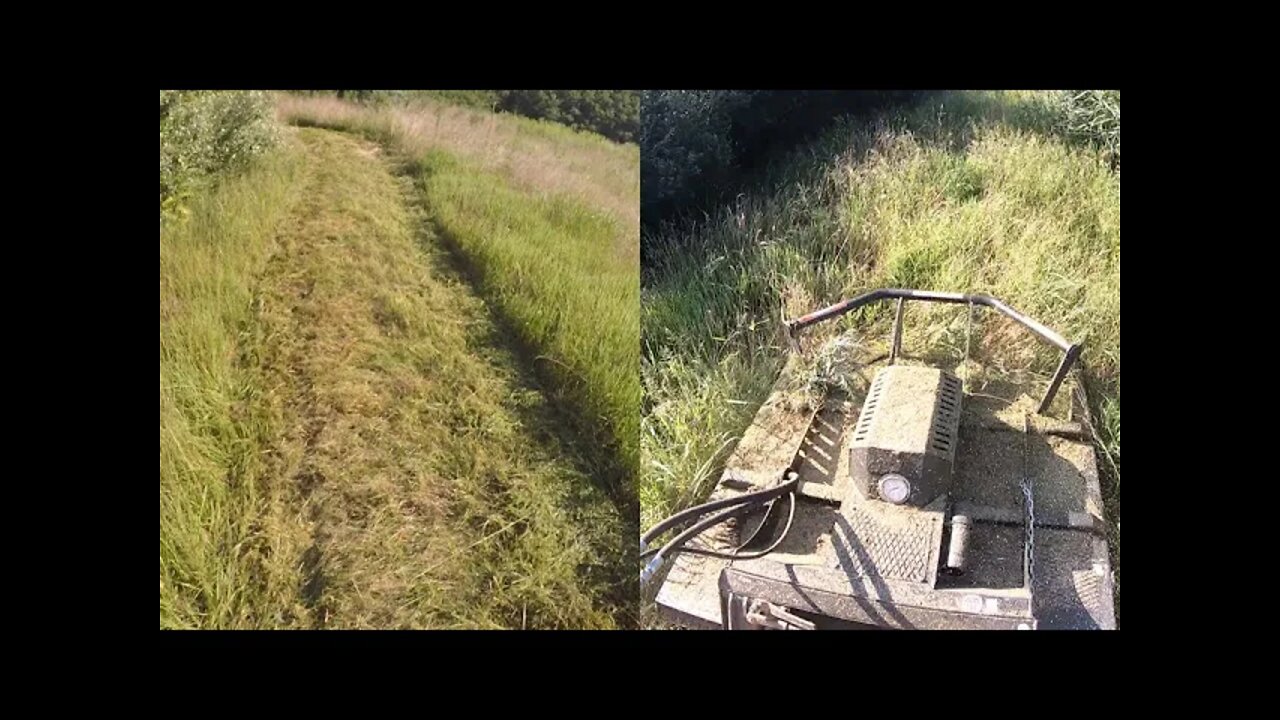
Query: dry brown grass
[[539, 156]]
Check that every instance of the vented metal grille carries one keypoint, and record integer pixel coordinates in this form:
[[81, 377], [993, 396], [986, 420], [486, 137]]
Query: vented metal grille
[[909, 426], [946, 421], [869, 408], [944, 425]]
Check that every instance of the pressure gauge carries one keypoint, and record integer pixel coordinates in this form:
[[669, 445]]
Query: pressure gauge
[[894, 488]]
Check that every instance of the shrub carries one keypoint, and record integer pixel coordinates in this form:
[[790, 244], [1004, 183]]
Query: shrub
[[612, 113], [206, 133], [685, 147]]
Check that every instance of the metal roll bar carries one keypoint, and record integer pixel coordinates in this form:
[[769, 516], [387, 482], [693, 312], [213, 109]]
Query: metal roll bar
[[1071, 351]]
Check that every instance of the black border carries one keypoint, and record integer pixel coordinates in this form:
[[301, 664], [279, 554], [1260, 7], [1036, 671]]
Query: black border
[[385, 70]]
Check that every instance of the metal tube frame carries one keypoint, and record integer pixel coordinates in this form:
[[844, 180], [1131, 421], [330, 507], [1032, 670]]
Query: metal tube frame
[[897, 332], [1071, 351]]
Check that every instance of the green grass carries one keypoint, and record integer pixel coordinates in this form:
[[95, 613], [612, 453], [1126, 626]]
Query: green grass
[[571, 292], [212, 430], [550, 233], [967, 192], [534, 155], [398, 471]]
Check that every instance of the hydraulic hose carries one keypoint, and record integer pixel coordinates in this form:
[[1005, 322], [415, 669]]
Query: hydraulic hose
[[751, 497], [737, 555], [735, 506]]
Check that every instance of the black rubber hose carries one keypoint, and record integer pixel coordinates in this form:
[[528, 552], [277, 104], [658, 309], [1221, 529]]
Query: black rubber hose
[[702, 526], [745, 508], [676, 544], [698, 527], [786, 529], [752, 497]]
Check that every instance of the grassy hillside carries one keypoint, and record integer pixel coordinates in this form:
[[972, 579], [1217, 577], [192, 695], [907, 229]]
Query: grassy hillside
[[614, 114], [546, 220], [966, 192], [348, 436], [535, 155]]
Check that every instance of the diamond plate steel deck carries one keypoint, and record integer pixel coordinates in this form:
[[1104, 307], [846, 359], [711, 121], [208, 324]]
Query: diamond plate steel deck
[[896, 543]]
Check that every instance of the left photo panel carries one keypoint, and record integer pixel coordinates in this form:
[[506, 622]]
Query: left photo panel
[[399, 359]]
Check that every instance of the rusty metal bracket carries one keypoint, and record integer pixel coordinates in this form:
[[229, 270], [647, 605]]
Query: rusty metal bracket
[[1068, 360], [793, 338], [767, 615]]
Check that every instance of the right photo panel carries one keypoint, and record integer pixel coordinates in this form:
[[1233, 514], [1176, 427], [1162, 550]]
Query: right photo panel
[[880, 360]]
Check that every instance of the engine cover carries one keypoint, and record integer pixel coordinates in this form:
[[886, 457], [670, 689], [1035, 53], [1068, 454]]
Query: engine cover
[[903, 448]]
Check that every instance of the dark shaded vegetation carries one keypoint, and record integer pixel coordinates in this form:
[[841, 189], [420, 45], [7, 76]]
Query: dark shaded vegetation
[[699, 147]]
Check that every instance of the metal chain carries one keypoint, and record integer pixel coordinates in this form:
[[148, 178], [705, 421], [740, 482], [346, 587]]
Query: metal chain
[[968, 334], [1028, 497], [1031, 532]]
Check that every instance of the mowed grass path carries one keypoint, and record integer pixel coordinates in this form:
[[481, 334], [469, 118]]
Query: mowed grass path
[[545, 220], [378, 463]]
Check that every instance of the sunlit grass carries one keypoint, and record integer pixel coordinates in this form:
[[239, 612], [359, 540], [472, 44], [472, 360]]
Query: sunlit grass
[[969, 192], [212, 430], [547, 219], [346, 440]]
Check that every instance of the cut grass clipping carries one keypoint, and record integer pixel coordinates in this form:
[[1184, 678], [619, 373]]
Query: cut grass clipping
[[545, 220], [970, 192], [347, 443]]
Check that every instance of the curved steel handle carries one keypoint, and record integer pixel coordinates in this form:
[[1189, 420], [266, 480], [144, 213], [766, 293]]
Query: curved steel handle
[[1071, 351]]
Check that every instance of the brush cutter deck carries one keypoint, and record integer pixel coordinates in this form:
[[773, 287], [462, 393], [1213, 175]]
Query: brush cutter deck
[[917, 503]]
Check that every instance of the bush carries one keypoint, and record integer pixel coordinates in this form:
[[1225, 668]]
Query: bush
[[478, 99], [686, 147], [612, 113], [206, 133]]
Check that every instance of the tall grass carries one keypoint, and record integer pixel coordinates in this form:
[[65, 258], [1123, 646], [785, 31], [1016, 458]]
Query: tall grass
[[966, 192], [547, 219], [570, 292], [1094, 117], [538, 156], [212, 430]]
